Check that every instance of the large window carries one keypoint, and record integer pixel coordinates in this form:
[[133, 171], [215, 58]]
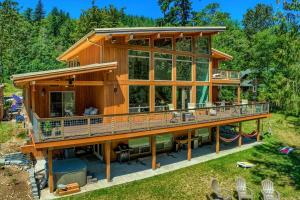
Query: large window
[[202, 45], [138, 98], [62, 103], [183, 68], [184, 44], [138, 64], [183, 95], [163, 97], [164, 43], [202, 69], [202, 95], [162, 66], [139, 42]]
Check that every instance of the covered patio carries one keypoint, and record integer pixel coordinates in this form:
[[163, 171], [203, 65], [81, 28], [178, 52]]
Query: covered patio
[[133, 170]]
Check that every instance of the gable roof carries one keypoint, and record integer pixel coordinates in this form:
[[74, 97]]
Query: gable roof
[[99, 33], [41, 75]]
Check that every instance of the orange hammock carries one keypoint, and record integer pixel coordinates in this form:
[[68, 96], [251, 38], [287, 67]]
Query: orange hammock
[[229, 139], [250, 135]]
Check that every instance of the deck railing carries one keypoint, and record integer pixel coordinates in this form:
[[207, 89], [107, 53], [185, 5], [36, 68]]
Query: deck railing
[[226, 74], [49, 129]]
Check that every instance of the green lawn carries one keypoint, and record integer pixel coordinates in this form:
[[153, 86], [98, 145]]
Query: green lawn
[[193, 182], [6, 131]]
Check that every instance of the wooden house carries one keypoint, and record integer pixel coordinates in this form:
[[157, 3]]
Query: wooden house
[[123, 84]]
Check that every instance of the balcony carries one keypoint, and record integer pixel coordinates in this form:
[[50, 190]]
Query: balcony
[[226, 75], [62, 128]]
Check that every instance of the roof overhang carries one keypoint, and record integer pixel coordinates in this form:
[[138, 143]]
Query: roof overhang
[[220, 55], [21, 79], [99, 33]]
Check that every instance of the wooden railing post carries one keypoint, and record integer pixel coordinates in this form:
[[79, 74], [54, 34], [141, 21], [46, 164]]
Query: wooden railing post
[[89, 126], [148, 121], [62, 127], [112, 124]]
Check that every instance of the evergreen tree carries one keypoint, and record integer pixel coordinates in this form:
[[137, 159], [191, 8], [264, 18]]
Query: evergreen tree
[[28, 14], [39, 12]]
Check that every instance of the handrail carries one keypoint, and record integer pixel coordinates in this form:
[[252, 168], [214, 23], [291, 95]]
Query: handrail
[[226, 74], [144, 113], [59, 128]]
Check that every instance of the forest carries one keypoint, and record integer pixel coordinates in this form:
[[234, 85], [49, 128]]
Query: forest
[[266, 40]]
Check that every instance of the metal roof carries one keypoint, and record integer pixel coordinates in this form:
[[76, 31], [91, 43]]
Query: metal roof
[[140, 30], [103, 32], [40, 75]]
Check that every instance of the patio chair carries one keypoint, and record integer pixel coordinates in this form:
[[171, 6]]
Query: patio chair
[[212, 111], [242, 190], [268, 191], [175, 114], [219, 193]]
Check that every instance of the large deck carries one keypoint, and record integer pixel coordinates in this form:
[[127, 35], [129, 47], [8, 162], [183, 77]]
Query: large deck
[[62, 128]]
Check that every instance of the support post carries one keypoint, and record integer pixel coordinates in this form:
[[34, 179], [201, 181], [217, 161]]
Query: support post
[[189, 152], [107, 160], [33, 96], [153, 150], [239, 95], [240, 133], [258, 131], [218, 140], [210, 135], [50, 165]]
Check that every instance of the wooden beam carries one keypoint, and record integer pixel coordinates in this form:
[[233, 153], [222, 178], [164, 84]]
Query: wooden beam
[[210, 96], [153, 150], [210, 135], [107, 160], [123, 136], [189, 151], [258, 130], [33, 97], [240, 133], [239, 95], [218, 139], [74, 83], [50, 165]]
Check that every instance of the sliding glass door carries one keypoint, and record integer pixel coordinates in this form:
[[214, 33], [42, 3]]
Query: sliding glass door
[[62, 103]]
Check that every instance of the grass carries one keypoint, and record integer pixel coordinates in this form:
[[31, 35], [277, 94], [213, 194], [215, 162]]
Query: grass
[[7, 130], [193, 182]]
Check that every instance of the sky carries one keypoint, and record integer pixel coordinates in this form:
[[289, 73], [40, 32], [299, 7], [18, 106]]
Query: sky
[[148, 8]]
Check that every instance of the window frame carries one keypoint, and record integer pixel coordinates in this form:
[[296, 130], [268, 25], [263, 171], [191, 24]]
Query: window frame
[[149, 42], [57, 91], [166, 59], [177, 50], [134, 56], [199, 62], [189, 61], [172, 46], [149, 98]]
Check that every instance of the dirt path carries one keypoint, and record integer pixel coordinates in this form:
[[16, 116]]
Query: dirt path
[[13, 184]]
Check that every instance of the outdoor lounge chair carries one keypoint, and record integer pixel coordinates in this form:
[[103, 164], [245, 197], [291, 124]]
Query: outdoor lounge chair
[[175, 114], [268, 190], [217, 192], [212, 110], [242, 190]]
